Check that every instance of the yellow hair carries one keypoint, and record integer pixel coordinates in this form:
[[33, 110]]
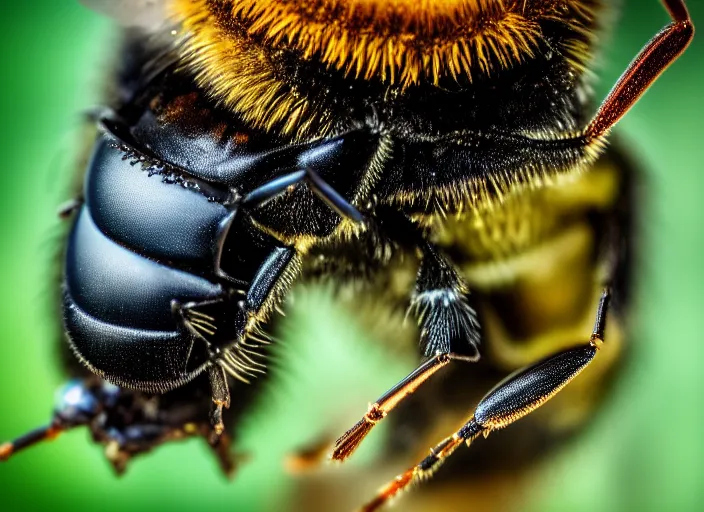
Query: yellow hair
[[233, 45]]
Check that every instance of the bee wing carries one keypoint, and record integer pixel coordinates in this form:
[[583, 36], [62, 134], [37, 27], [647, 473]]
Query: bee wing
[[131, 13]]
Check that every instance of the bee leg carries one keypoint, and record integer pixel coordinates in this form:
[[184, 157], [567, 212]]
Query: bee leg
[[273, 188], [516, 154], [448, 323], [514, 397], [222, 446], [348, 442], [655, 57], [221, 399], [78, 405], [318, 186], [449, 331], [31, 438], [332, 198]]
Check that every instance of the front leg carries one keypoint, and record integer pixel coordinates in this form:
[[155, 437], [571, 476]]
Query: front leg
[[448, 324], [232, 340], [449, 331]]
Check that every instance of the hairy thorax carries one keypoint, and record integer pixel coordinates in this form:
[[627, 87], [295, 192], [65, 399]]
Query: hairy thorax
[[303, 68]]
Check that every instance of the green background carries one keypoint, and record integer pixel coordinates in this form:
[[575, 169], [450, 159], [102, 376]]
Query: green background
[[645, 453]]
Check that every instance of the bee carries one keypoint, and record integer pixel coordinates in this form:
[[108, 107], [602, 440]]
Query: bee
[[438, 157]]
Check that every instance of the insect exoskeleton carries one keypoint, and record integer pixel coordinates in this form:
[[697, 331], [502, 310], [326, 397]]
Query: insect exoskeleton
[[251, 143]]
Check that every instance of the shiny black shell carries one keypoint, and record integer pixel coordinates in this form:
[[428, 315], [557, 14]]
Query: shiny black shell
[[161, 232]]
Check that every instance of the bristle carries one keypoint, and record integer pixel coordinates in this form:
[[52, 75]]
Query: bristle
[[400, 41], [240, 74], [350, 440], [483, 193], [422, 471], [390, 491]]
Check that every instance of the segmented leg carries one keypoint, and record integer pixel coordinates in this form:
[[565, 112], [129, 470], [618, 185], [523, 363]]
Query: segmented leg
[[448, 324], [513, 398], [350, 440], [655, 57], [38, 435], [449, 331], [517, 154], [77, 405], [318, 186], [124, 421], [221, 399], [237, 361]]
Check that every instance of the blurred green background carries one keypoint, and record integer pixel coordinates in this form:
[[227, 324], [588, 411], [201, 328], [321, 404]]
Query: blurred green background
[[645, 453]]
